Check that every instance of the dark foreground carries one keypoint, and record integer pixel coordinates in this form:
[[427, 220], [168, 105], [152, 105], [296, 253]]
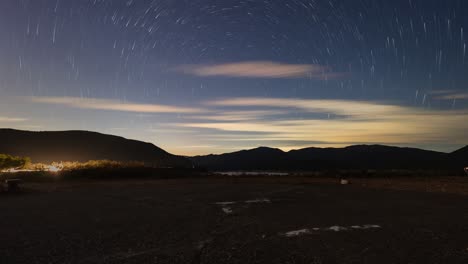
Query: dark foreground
[[231, 221]]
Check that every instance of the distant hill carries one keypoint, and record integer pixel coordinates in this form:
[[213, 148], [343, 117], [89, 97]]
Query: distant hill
[[259, 158], [353, 157], [47, 147], [460, 155]]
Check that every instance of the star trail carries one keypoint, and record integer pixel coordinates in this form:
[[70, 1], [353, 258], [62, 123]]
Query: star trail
[[205, 76]]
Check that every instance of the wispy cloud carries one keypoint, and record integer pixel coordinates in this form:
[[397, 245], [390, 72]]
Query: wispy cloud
[[113, 105], [453, 96], [261, 69], [236, 115], [5, 119], [355, 109]]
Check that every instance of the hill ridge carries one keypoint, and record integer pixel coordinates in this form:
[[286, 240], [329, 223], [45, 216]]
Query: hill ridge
[[81, 145], [362, 156]]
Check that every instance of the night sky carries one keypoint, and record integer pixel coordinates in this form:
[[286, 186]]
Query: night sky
[[213, 76]]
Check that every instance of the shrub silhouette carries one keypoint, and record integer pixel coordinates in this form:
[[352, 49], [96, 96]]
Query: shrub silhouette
[[10, 162]]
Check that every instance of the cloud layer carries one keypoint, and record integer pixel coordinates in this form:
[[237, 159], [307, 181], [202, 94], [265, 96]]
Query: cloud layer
[[261, 69], [112, 105], [4, 119], [453, 96], [355, 109]]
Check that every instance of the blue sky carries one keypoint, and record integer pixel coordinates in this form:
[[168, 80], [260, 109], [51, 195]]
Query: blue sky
[[204, 76]]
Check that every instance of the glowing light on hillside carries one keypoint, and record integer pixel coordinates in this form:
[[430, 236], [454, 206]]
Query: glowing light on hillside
[[15, 170], [54, 168], [50, 168]]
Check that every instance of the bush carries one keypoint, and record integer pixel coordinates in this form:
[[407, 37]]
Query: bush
[[97, 164], [11, 162]]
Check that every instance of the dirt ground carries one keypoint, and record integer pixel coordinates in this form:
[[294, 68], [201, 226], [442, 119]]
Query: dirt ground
[[237, 220], [454, 185]]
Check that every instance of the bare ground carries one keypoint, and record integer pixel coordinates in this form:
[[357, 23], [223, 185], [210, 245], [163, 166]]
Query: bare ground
[[257, 220]]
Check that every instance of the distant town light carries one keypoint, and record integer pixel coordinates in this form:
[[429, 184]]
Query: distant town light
[[50, 168], [13, 170], [53, 168]]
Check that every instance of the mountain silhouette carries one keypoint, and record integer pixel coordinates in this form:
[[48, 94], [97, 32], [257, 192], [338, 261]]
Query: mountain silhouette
[[259, 158], [352, 157], [462, 151], [82, 146]]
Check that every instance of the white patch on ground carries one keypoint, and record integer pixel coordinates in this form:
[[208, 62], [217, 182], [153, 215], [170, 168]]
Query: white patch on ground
[[225, 203], [297, 233], [365, 226], [337, 228], [225, 206], [371, 226], [263, 200], [227, 210], [307, 231]]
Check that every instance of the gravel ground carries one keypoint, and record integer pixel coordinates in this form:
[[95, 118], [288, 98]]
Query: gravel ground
[[231, 221]]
